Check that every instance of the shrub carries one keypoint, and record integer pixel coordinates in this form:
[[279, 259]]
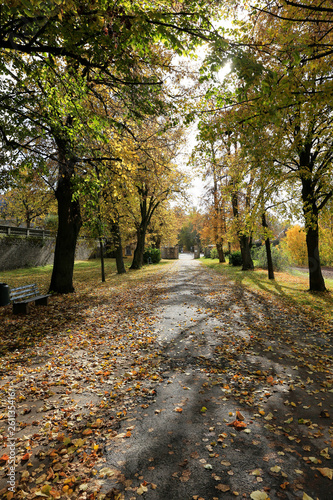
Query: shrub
[[295, 241], [255, 251], [154, 254], [326, 245], [279, 258], [214, 254], [235, 259]]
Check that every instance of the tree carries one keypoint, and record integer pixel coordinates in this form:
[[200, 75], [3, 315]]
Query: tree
[[295, 243], [94, 45], [29, 199], [207, 157], [285, 89], [156, 178], [189, 235]]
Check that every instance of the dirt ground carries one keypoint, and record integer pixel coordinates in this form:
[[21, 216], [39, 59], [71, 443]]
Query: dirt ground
[[222, 393]]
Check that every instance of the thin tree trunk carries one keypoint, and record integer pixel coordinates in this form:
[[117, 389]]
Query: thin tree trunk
[[116, 237], [268, 250], [217, 217], [102, 259]]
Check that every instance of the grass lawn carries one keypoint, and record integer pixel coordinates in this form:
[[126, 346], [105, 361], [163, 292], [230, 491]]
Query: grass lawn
[[290, 286], [86, 274]]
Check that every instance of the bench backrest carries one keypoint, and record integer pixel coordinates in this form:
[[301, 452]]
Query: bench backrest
[[23, 292]]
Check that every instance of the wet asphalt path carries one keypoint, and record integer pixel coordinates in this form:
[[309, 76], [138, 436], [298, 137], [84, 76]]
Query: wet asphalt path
[[181, 447]]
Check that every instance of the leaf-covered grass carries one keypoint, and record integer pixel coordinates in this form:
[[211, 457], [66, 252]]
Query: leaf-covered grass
[[290, 286], [86, 273]]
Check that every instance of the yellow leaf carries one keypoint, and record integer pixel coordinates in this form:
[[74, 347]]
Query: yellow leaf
[[256, 472], [41, 479], [306, 497], [259, 495], [326, 472], [46, 489], [142, 489]]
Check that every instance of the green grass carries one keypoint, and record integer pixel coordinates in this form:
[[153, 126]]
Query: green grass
[[291, 287]]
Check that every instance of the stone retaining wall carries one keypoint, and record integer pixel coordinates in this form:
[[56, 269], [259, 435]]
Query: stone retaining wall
[[17, 252]]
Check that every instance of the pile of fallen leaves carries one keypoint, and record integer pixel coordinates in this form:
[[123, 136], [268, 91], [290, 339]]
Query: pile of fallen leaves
[[76, 367]]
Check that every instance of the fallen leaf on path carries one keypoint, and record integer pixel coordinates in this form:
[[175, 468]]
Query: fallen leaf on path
[[238, 425], [239, 416], [306, 497], [142, 489], [223, 487], [259, 495], [326, 472]]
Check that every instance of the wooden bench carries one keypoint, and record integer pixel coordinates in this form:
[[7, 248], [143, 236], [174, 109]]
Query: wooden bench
[[22, 296]]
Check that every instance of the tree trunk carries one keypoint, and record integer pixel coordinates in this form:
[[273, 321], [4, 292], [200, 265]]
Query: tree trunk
[[268, 250], [140, 248], [158, 241], [219, 248], [217, 218], [147, 208], [244, 242], [316, 279], [69, 223], [102, 259], [116, 237]]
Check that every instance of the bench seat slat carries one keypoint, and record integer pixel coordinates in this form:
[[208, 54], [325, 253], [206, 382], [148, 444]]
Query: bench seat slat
[[22, 296], [17, 296], [25, 287]]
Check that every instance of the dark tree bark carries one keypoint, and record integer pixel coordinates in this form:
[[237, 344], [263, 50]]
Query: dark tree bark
[[147, 208], [316, 279], [158, 241], [137, 262], [268, 250], [311, 212], [245, 246], [244, 240], [219, 248], [69, 223], [116, 237], [101, 246], [217, 216]]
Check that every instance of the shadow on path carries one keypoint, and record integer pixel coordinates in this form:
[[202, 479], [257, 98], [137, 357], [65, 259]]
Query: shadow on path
[[224, 349]]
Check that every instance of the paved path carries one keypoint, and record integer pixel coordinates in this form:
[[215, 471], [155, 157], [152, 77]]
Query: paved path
[[223, 349]]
